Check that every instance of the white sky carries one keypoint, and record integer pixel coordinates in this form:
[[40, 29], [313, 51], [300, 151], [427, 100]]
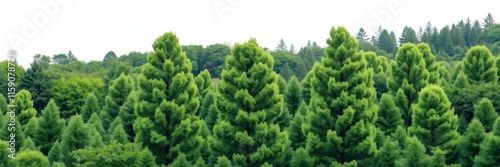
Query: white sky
[[91, 28]]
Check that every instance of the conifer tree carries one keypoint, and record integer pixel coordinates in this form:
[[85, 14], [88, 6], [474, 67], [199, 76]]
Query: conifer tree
[[30, 128], [208, 110], [24, 106], [479, 65], [489, 153], [342, 110], [301, 158], [413, 154], [168, 101], [295, 132], [485, 113], [469, 146], [76, 136], [407, 76], [306, 87], [50, 127], [204, 82], [461, 81], [430, 64], [55, 153], [438, 158], [31, 158], [118, 92], [5, 161], [95, 122], [95, 137], [127, 114], [388, 153], [249, 103], [3, 105], [435, 122], [292, 95], [389, 116], [28, 144], [8, 130], [118, 134], [91, 106]]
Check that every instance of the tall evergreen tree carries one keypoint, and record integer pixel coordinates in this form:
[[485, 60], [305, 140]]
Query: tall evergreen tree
[[445, 41], [30, 128], [24, 106], [16, 130], [301, 158], [435, 122], [118, 92], [386, 42], [489, 153], [91, 106], [204, 83], [37, 82], [292, 95], [342, 109], [208, 110], [96, 123], [168, 101], [388, 154], [389, 115], [430, 64], [55, 154], [127, 114], [488, 21], [479, 65], [485, 113], [3, 105], [361, 36], [249, 103], [28, 144], [50, 127], [413, 154], [295, 132], [305, 94], [76, 136], [407, 76], [469, 146]]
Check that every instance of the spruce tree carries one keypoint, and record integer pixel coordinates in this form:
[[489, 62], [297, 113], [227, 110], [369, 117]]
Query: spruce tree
[[118, 92], [295, 132], [76, 136], [389, 116], [15, 129], [91, 106], [127, 114], [435, 122], [437, 159], [489, 153], [249, 103], [30, 128], [95, 137], [55, 153], [37, 82], [485, 113], [168, 101], [469, 146], [479, 65], [50, 128], [292, 95], [407, 76], [342, 109], [118, 134]]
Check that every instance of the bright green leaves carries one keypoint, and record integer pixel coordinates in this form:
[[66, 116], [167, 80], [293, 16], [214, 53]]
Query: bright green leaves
[[479, 65]]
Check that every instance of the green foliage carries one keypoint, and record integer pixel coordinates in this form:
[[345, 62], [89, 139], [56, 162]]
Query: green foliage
[[464, 99], [389, 116], [3, 105], [37, 82], [28, 144], [24, 106], [168, 101], [292, 95], [17, 71], [388, 154], [295, 132], [204, 82], [12, 128], [461, 81], [118, 92], [413, 154], [213, 58], [118, 134], [479, 65], [91, 106], [305, 94], [342, 109], [55, 153], [5, 161], [95, 137], [70, 93], [430, 64], [222, 161], [114, 154], [30, 128], [491, 35], [469, 146], [386, 42], [76, 136], [485, 113], [407, 76], [208, 110], [31, 158], [249, 103], [50, 128], [127, 114], [489, 154], [301, 158], [95, 123], [435, 123]]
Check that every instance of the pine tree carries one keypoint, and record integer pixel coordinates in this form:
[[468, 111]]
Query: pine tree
[[430, 64], [118, 134], [37, 82], [469, 146], [30, 128], [168, 101], [292, 95], [95, 122], [55, 154], [488, 21], [386, 42], [24, 106], [306, 87], [407, 76], [445, 41], [435, 122], [76, 136], [342, 109], [95, 137], [249, 103], [118, 92], [388, 154], [361, 36], [437, 159], [413, 154], [50, 128], [127, 114], [485, 113], [389, 116], [479, 65], [489, 153], [28, 144], [301, 158], [31, 158], [91, 106], [295, 133]]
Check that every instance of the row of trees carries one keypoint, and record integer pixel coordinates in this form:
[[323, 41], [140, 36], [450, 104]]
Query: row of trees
[[353, 108]]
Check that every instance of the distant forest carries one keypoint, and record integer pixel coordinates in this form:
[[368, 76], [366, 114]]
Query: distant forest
[[427, 97]]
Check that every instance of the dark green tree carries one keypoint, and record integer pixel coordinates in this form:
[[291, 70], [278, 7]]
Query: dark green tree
[[386, 42], [249, 102], [435, 122], [281, 46], [305, 93], [413, 154], [28, 144], [361, 36], [479, 65], [55, 153], [488, 21], [469, 146], [485, 113], [168, 101], [76, 136], [408, 36], [295, 132], [389, 115], [292, 95], [37, 82], [118, 92], [445, 42], [127, 114], [50, 128], [407, 76], [90, 107], [489, 153], [342, 110], [301, 158], [388, 154]]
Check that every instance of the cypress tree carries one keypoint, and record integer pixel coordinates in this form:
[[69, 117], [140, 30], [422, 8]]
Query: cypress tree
[[389, 116], [407, 76], [489, 153], [50, 127], [76, 136], [249, 103], [118, 92], [479, 65], [91, 106], [168, 101], [485, 113], [292, 95], [471, 141], [435, 122], [342, 109]]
